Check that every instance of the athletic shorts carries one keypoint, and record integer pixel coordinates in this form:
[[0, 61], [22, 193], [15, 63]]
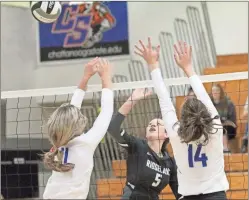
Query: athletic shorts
[[231, 132], [210, 196], [129, 194]]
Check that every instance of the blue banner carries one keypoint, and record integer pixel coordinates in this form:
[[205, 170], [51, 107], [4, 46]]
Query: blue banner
[[84, 31]]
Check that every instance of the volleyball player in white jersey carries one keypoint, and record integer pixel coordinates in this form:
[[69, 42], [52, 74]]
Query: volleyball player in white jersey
[[72, 157], [197, 138]]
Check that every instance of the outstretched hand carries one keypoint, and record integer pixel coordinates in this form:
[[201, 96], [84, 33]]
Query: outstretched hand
[[139, 94], [91, 68], [149, 54], [104, 68], [183, 56], [105, 72]]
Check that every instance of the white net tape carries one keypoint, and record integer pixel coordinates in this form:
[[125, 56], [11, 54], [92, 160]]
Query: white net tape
[[122, 86]]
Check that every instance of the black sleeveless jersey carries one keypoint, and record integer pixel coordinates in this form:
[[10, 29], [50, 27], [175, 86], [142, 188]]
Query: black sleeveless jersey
[[147, 174]]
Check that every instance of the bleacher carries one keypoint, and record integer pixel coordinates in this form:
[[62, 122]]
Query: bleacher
[[236, 165]]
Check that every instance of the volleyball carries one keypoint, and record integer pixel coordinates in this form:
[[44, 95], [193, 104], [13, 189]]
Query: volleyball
[[45, 11]]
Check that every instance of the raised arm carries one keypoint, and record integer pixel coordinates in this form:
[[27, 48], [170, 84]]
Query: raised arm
[[123, 138], [89, 71], [99, 129], [168, 111], [183, 58]]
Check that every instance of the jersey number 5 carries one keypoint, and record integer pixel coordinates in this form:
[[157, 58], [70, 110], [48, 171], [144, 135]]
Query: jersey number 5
[[157, 180], [198, 157]]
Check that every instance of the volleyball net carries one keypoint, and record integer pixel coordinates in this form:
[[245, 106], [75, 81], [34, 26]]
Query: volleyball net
[[24, 115]]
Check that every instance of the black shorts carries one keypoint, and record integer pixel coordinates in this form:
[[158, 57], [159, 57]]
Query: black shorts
[[231, 132], [210, 196], [129, 194]]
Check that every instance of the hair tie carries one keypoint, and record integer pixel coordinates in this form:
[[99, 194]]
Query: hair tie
[[52, 150]]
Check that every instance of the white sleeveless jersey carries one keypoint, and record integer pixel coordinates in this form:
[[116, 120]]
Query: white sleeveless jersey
[[79, 151], [200, 168]]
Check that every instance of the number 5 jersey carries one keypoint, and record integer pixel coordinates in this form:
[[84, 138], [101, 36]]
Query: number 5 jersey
[[147, 173]]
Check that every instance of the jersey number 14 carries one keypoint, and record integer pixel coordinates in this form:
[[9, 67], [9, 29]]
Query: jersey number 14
[[198, 157]]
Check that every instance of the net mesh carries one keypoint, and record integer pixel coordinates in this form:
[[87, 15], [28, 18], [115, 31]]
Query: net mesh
[[24, 114]]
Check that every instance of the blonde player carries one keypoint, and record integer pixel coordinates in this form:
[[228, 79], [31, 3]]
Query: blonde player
[[197, 138], [72, 156]]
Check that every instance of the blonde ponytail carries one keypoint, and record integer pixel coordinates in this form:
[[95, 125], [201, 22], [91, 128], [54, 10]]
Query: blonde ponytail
[[52, 164]]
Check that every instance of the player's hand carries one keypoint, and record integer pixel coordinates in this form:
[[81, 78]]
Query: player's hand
[[104, 68], [91, 68], [139, 94], [149, 54], [105, 72], [183, 56]]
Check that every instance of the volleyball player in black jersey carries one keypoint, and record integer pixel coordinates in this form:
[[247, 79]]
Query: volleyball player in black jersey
[[149, 167]]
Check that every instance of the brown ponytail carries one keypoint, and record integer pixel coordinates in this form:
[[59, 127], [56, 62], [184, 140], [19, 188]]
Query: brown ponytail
[[50, 163], [196, 122]]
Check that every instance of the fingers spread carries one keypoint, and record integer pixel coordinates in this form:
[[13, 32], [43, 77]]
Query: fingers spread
[[140, 50], [149, 43], [138, 53], [190, 51], [185, 48], [176, 56], [181, 48], [142, 44], [158, 49], [177, 52]]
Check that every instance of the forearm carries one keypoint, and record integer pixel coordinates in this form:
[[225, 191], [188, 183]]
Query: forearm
[[79, 93], [127, 106], [83, 83], [115, 127], [100, 126], [106, 81], [189, 71], [166, 105]]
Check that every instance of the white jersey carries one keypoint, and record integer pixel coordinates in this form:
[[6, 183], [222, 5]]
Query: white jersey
[[79, 151], [200, 168]]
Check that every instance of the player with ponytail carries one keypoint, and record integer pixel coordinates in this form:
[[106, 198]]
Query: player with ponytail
[[196, 139], [71, 157]]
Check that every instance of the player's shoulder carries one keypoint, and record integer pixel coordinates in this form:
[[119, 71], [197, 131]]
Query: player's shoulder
[[78, 141]]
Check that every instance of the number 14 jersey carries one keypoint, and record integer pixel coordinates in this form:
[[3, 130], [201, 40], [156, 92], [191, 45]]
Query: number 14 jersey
[[200, 167]]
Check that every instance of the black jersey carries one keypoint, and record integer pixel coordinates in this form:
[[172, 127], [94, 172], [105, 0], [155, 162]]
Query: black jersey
[[147, 174]]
